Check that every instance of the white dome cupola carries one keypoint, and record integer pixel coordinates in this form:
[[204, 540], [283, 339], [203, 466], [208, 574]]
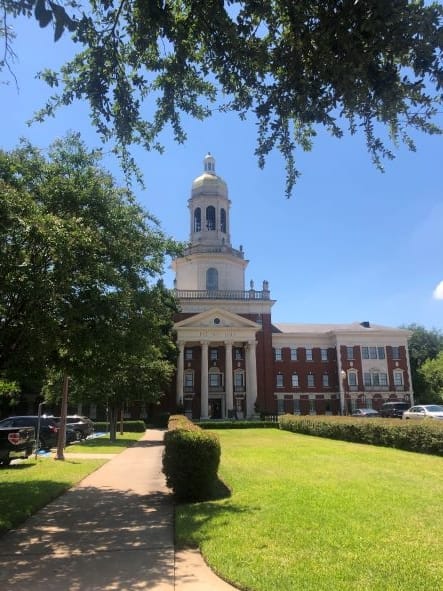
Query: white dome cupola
[[209, 207]]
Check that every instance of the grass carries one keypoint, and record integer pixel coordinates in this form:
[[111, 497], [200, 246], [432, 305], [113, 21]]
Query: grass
[[102, 445], [27, 487], [311, 514]]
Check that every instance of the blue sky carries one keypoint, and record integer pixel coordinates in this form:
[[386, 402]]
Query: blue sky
[[351, 244]]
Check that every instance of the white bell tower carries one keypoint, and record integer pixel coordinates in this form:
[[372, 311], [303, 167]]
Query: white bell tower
[[210, 263]]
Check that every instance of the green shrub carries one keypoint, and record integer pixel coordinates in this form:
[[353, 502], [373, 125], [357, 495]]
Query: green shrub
[[128, 426], [237, 424], [425, 437], [190, 460]]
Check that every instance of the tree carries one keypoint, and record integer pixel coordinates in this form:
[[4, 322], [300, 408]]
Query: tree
[[80, 270], [374, 65], [432, 373], [424, 345]]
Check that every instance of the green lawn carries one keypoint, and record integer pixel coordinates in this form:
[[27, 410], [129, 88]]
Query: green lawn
[[311, 514], [30, 485], [102, 445]]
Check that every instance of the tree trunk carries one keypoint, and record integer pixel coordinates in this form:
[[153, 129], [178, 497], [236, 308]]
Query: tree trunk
[[113, 414]]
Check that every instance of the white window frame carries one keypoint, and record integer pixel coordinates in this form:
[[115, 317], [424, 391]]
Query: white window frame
[[279, 380], [278, 356], [295, 380], [294, 356], [309, 354], [324, 354], [311, 380], [325, 380]]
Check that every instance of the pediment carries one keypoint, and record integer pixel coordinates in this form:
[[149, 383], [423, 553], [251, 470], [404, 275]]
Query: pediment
[[216, 318]]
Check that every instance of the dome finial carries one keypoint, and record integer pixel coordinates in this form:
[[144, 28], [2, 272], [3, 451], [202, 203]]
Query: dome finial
[[209, 163]]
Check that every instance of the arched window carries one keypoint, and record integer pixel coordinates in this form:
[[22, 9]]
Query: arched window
[[210, 217], [211, 279], [223, 220], [197, 220]]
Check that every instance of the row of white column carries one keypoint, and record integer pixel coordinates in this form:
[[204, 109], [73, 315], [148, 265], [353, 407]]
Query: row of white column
[[251, 377]]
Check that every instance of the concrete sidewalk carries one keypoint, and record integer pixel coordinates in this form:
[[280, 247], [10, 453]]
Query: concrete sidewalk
[[113, 531]]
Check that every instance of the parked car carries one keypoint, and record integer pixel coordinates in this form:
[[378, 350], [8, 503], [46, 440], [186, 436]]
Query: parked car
[[424, 411], [16, 442], [82, 426], [394, 410], [48, 429], [366, 413]]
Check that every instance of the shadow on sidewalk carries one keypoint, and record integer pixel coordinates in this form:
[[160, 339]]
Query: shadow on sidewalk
[[116, 537]]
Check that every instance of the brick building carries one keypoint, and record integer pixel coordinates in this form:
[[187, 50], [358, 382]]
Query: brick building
[[234, 361]]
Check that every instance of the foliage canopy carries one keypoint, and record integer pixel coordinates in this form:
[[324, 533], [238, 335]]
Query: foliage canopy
[[80, 277], [345, 65]]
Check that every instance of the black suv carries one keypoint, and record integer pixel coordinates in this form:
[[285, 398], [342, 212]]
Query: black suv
[[393, 410], [48, 429]]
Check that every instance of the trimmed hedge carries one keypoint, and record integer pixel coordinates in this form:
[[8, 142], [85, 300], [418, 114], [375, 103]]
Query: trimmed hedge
[[425, 437], [238, 424], [128, 426], [190, 459]]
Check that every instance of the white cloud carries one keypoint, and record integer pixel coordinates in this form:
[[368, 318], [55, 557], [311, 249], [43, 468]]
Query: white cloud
[[438, 291]]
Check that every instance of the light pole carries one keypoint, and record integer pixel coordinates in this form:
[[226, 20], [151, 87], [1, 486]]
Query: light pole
[[342, 392], [37, 437]]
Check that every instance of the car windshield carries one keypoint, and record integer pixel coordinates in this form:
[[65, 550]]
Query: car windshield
[[434, 408]]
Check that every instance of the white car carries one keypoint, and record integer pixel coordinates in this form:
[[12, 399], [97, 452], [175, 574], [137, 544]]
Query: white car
[[424, 411]]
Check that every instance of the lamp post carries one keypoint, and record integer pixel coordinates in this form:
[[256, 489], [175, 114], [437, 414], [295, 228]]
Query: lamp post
[[342, 392], [37, 442]]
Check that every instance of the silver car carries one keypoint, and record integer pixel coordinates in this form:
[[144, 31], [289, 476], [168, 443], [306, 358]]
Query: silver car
[[424, 411]]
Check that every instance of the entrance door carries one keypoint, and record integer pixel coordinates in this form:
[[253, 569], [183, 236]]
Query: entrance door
[[215, 408]]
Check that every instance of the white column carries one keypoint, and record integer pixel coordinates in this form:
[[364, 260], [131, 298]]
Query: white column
[[204, 381], [180, 371], [228, 378], [251, 379]]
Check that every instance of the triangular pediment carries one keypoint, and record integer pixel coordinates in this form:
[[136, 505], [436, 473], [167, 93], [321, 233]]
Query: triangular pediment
[[216, 318]]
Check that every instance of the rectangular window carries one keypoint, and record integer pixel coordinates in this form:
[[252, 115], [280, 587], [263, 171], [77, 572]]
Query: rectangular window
[[311, 381], [365, 352], [278, 356], [215, 380], [325, 380], [296, 406], [294, 380], [238, 354], [308, 354], [375, 379], [293, 354], [280, 406], [395, 352], [239, 379], [188, 354], [352, 379], [398, 378], [189, 379], [213, 354], [279, 380], [312, 410], [324, 354], [350, 353], [381, 352], [373, 352]]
